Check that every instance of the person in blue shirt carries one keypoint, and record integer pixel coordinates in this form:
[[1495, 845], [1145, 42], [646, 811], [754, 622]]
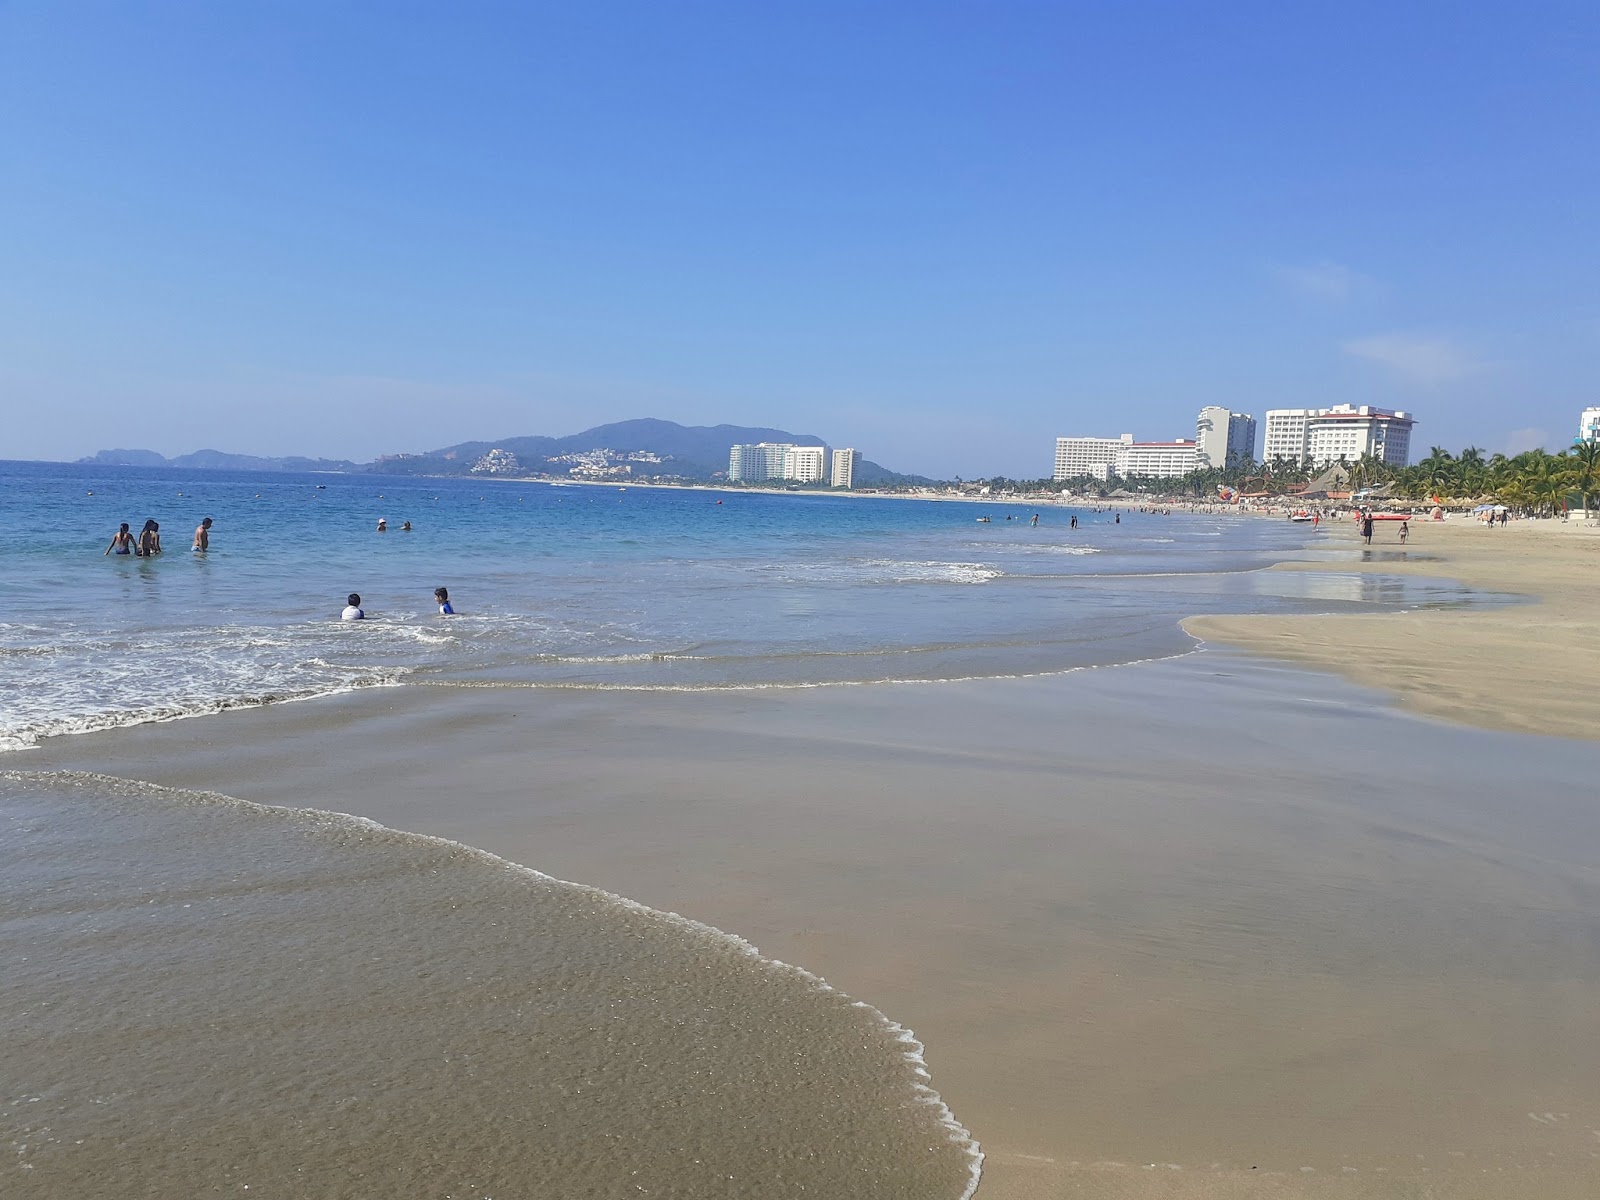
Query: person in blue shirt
[[441, 597]]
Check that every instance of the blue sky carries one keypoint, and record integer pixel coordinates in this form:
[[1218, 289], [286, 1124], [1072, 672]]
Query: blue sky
[[944, 233]]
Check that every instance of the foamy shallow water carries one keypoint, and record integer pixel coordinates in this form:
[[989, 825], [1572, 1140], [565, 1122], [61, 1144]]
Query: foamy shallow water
[[204, 995]]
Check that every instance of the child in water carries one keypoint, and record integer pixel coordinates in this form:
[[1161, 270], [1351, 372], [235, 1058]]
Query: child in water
[[441, 597], [121, 541], [352, 608]]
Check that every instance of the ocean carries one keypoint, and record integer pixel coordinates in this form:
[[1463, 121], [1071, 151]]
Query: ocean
[[203, 994], [589, 587]]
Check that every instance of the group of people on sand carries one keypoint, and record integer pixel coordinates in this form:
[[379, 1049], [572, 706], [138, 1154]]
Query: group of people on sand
[[354, 612], [147, 543]]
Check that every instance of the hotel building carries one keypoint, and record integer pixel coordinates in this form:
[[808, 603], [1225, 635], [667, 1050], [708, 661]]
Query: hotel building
[[1344, 432], [1224, 438], [845, 463], [1589, 425], [1077, 456], [1160, 460], [777, 460]]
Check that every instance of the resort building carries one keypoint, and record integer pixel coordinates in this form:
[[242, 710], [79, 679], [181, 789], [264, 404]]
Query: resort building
[[1160, 460], [1589, 425], [845, 463], [1224, 438], [1342, 433], [777, 460], [805, 464], [1077, 456]]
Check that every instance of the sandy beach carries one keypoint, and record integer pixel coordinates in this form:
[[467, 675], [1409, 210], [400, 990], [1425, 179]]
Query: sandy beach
[[1210, 927], [1528, 667]]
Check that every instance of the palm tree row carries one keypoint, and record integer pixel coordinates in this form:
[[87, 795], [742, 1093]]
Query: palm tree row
[[1535, 481]]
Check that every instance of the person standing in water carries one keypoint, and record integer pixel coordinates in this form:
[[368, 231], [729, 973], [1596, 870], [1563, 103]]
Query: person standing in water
[[149, 540], [441, 597], [121, 541], [202, 536]]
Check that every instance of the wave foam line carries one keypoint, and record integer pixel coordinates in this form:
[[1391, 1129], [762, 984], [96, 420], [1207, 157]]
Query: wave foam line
[[560, 686], [914, 1053], [28, 738]]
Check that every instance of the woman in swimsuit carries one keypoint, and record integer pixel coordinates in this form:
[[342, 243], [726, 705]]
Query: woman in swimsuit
[[121, 541], [149, 540]]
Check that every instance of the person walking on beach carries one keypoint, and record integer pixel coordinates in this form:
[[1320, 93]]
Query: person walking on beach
[[441, 597], [121, 541], [352, 608], [1405, 531], [1366, 528], [202, 536], [149, 540]]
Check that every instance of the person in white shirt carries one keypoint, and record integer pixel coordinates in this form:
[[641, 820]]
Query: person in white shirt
[[352, 609]]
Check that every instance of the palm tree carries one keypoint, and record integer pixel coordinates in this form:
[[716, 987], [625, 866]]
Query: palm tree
[[1586, 472]]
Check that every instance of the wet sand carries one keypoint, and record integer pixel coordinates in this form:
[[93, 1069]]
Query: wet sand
[[1213, 927], [1531, 667]]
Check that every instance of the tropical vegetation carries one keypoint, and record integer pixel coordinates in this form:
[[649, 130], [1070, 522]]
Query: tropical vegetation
[[1534, 482]]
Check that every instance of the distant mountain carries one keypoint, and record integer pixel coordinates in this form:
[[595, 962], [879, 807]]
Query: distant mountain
[[217, 460], [649, 447], [684, 451]]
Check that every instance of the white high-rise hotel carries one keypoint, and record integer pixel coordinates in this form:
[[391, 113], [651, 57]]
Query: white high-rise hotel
[[1224, 438], [845, 463], [778, 460], [1589, 425], [1341, 433]]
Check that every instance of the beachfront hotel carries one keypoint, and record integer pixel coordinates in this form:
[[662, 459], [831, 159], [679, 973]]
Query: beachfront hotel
[[845, 463], [777, 460], [1158, 460], [1344, 432], [1589, 425], [1101, 458], [1096, 456], [1224, 438]]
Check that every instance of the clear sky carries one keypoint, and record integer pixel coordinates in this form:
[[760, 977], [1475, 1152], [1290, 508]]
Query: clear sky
[[944, 233]]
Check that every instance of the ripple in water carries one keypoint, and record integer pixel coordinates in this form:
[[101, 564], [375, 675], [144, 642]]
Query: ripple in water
[[202, 994]]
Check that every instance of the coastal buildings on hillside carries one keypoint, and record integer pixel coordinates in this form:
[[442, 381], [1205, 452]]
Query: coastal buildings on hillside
[[1223, 438], [1589, 425]]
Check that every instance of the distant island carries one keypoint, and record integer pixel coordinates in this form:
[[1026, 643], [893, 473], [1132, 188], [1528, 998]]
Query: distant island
[[645, 450]]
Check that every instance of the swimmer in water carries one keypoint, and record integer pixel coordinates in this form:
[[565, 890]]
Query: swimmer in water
[[121, 541], [202, 536], [441, 597], [405, 527], [352, 608], [149, 540], [383, 525]]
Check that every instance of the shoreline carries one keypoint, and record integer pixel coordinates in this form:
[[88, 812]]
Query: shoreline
[[1529, 668], [1228, 1002], [1323, 980]]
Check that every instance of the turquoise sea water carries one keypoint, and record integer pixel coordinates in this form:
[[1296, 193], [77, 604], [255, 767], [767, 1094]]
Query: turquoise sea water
[[586, 587]]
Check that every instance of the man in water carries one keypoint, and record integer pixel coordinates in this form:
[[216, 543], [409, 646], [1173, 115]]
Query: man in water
[[202, 536], [352, 608]]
